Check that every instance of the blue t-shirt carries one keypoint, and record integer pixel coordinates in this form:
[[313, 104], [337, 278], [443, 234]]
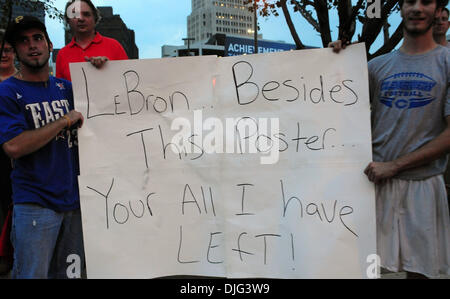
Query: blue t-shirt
[[47, 177]]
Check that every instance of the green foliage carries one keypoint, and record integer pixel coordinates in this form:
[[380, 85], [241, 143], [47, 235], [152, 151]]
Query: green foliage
[[28, 5], [316, 12]]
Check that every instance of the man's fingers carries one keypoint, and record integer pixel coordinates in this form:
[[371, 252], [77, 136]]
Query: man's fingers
[[336, 45], [76, 118], [332, 44], [81, 121], [366, 171], [98, 62], [369, 172]]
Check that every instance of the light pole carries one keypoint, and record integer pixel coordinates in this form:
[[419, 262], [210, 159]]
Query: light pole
[[255, 24], [188, 39]]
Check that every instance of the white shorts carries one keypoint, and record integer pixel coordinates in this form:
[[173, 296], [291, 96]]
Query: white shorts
[[413, 226]]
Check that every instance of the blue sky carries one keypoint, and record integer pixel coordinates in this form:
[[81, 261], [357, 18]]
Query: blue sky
[[161, 22]]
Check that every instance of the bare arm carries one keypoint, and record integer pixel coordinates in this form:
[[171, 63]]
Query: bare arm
[[30, 141], [379, 171]]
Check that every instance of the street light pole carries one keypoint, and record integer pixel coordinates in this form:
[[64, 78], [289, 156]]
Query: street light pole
[[188, 39], [255, 24]]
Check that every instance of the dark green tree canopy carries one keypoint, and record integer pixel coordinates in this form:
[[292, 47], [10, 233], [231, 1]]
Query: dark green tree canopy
[[316, 12], [7, 7]]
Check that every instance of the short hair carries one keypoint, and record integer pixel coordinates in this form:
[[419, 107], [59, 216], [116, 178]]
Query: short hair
[[446, 9], [440, 3], [97, 16]]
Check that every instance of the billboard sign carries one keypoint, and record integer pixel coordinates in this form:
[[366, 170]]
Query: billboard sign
[[239, 46]]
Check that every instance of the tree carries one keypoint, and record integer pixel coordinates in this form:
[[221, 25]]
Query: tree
[[316, 12], [7, 6]]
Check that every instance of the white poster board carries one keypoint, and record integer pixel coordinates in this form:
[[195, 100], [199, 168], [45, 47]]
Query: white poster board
[[268, 181]]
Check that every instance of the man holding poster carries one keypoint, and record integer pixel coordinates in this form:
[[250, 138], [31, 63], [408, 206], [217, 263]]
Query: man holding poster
[[411, 135], [87, 44], [38, 129]]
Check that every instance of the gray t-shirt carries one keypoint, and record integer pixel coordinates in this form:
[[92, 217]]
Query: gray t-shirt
[[410, 100]]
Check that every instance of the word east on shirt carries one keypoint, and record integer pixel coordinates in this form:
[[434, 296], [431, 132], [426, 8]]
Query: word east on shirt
[[48, 176]]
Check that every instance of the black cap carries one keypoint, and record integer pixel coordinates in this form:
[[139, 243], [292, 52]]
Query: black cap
[[22, 23]]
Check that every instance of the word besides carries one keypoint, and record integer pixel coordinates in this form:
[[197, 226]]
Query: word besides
[[289, 90]]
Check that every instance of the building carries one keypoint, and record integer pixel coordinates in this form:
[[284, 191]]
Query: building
[[112, 25], [210, 17], [38, 13], [223, 45], [222, 28], [36, 9], [196, 49]]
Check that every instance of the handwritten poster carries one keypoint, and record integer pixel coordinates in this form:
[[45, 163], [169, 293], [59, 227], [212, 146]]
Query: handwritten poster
[[246, 166]]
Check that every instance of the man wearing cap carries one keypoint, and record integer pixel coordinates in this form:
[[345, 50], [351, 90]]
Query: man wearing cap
[[38, 129], [87, 44]]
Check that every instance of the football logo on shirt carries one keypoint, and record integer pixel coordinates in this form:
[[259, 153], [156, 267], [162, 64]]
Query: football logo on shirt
[[407, 91]]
